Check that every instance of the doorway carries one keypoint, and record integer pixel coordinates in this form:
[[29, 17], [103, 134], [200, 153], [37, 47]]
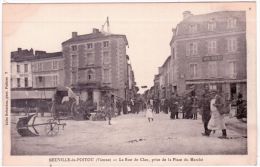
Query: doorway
[[233, 90]]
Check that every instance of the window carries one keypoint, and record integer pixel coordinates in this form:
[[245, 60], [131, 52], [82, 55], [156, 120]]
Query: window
[[193, 28], [18, 82], [89, 45], [212, 69], [106, 75], [40, 67], [231, 23], [232, 69], [106, 58], [105, 44], [55, 80], [25, 82], [212, 26], [25, 67], [232, 44], [74, 47], [74, 61], [90, 75], [90, 59], [212, 47], [192, 49], [18, 68], [193, 70], [54, 65], [213, 87]]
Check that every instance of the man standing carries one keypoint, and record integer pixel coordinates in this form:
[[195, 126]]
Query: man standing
[[206, 114], [156, 106], [174, 107], [109, 107]]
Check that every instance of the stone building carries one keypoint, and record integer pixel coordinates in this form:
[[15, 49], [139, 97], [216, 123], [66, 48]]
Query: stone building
[[131, 86], [21, 74], [96, 64], [165, 74], [34, 76], [47, 70], [210, 50], [156, 82]]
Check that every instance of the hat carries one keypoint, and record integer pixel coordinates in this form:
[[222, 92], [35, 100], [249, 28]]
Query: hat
[[213, 91]]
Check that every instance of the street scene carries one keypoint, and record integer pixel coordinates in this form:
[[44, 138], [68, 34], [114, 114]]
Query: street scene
[[99, 92], [132, 134]]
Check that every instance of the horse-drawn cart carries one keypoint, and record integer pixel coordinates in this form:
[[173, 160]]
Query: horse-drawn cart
[[65, 105]]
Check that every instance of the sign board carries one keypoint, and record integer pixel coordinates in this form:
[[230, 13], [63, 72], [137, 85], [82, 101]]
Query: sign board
[[212, 58]]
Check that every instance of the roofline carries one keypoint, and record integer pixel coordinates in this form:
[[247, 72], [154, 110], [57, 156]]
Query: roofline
[[168, 58], [107, 36], [35, 58], [44, 58]]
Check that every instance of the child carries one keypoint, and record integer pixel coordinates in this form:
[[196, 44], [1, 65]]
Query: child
[[149, 113]]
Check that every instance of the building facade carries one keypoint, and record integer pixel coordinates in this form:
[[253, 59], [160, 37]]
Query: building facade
[[47, 70], [210, 50], [34, 76], [165, 75], [21, 73], [95, 64]]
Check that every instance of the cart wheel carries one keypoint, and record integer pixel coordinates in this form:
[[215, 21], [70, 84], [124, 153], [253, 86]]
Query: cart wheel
[[51, 128]]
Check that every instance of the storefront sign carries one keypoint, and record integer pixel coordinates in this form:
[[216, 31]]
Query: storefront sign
[[212, 58]]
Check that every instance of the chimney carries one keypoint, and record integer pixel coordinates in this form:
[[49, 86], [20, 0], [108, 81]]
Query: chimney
[[95, 30], [74, 34], [31, 51], [19, 50], [186, 14]]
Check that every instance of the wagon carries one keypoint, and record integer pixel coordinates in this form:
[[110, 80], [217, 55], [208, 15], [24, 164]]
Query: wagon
[[26, 126]]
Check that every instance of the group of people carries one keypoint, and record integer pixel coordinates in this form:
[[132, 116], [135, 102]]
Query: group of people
[[212, 106], [188, 106], [112, 106], [213, 109]]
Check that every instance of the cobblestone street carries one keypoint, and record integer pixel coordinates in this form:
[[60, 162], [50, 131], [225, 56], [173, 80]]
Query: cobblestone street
[[131, 134]]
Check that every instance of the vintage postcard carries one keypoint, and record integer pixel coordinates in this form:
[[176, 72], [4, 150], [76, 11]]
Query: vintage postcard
[[111, 84]]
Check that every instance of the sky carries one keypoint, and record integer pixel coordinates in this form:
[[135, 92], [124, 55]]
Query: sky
[[148, 28]]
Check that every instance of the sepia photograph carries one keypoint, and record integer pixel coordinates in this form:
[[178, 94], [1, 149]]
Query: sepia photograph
[[147, 83]]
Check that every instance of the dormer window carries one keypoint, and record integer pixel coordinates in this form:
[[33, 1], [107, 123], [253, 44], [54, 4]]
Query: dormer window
[[193, 28], [105, 44], [89, 45], [74, 47], [231, 23], [212, 25]]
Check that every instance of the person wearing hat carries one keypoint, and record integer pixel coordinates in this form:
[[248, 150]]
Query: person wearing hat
[[205, 112], [109, 107], [216, 121]]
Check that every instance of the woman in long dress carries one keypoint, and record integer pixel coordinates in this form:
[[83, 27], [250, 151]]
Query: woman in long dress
[[216, 121]]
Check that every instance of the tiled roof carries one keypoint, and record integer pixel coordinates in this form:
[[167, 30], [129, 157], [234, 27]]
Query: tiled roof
[[20, 58], [97, 35], [48, 55], [216, 15]]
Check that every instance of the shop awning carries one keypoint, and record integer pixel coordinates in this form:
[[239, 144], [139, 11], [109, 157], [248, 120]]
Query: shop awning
[[32, 94]]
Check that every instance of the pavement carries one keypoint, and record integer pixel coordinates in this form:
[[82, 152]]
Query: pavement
[[132, 134]]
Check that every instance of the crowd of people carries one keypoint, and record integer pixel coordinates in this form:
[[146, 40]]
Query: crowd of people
[[212, 106]]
